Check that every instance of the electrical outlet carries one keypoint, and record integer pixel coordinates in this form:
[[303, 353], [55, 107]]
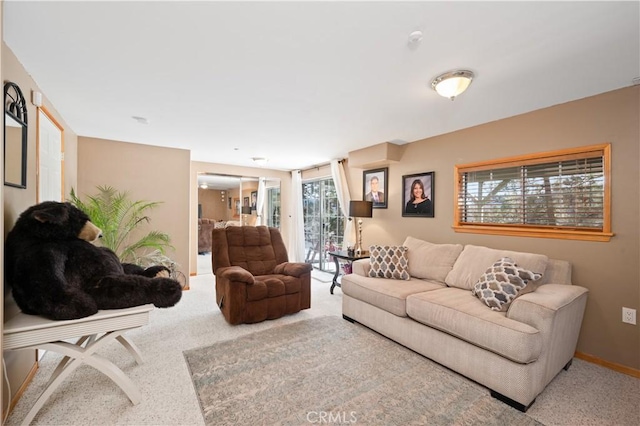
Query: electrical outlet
[[629, 316]]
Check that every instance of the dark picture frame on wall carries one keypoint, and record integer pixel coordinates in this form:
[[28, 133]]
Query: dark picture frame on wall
[[418, 195], [229, 198], [375, 186], [254, 200], [245, 201]]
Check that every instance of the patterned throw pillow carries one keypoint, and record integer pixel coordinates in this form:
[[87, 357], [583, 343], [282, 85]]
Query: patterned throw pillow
[[389, 262], [503, 282]]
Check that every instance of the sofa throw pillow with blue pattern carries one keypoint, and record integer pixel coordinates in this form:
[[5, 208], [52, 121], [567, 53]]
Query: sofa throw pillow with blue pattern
[[389, 262]]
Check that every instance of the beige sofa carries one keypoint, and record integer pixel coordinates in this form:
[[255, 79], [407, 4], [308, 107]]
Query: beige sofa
[[514, 353]]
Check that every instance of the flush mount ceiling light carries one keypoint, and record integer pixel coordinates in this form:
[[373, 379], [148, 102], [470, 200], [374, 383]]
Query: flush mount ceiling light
[[452, 83], [260, 161], [204, 185]]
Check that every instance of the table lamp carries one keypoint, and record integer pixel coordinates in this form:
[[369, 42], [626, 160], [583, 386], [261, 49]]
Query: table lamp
[[358, 210]]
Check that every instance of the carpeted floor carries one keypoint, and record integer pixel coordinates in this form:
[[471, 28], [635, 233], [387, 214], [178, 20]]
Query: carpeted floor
[[329, 368]]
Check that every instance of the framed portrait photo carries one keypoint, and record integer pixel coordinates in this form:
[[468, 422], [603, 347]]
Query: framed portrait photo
[[417, 195], [254, 199], [375, 187]]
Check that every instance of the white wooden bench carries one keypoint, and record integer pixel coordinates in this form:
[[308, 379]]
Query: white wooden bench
[[93, 332]]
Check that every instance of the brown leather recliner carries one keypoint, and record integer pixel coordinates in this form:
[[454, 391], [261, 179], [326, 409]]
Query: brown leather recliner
[[254, 279]]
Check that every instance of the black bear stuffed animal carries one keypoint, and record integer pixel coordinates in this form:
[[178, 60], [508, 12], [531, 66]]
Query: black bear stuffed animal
[[55, 271]]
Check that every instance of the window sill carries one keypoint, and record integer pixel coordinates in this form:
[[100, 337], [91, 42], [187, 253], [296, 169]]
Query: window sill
[[560, 234]]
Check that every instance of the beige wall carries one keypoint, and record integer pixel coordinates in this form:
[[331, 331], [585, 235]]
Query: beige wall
[[148, 173], [214, 206], [609, 270], [226, 169], [16, 200]]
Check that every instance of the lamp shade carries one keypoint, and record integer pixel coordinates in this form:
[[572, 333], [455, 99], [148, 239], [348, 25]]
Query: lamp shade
[[246, 210], [360, 208]]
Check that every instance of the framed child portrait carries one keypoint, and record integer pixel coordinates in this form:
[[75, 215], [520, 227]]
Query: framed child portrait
[[417, 195], [375, 186]]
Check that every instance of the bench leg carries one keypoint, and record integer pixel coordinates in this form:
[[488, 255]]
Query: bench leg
[[75, 355]]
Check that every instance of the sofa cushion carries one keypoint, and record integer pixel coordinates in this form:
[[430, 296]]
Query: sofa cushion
[[473, 262], [459, 313], [502, 282], [387, 294], [389, 262], [431, 261]]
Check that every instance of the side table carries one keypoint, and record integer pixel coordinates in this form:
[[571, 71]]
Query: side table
[[344, 255]]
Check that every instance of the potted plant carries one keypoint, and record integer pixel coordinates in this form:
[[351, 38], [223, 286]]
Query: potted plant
[[118, 216]]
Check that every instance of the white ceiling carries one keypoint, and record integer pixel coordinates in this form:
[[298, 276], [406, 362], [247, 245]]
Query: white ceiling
[[302, 83]]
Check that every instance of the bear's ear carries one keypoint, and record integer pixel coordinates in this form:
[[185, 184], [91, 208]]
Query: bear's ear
[[56, 214]]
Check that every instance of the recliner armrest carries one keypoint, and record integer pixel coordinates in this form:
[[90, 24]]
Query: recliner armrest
[[236, 273], [293, 269]]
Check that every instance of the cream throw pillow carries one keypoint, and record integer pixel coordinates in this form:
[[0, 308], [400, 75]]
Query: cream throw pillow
[[431, 261], [389, 262]]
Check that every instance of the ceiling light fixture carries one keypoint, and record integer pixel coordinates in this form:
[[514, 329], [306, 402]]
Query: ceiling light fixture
[[204, 186], [452, 83], [260, 161]]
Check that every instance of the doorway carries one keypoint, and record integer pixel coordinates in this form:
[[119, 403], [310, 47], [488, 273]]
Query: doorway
[[50, 157]]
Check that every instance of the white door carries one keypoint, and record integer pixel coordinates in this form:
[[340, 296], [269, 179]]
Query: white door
[[50, 158]]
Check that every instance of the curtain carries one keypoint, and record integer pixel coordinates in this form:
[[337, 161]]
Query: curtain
[[262, 195], [296, 235], [342, 189]]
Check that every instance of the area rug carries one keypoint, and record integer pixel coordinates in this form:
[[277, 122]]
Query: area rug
[[329, 371]]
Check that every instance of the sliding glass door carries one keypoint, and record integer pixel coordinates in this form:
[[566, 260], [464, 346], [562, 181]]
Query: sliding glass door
[[273, 207], [323, 223]]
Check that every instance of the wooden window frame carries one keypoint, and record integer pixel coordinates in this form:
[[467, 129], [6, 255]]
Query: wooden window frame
[[567, 233]]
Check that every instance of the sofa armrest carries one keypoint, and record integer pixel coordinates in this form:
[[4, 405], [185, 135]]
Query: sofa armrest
[[236, 274], [361, 267], [556, 311], [542, 304], [293, 269]]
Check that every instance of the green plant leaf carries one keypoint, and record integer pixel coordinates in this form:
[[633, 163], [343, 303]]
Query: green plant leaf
[[118, 216]]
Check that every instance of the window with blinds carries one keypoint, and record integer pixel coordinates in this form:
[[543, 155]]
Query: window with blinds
[[559, 194]]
